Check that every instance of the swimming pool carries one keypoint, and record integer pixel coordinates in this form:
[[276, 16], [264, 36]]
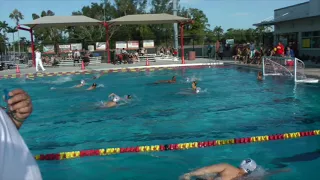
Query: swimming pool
[[233, 104]]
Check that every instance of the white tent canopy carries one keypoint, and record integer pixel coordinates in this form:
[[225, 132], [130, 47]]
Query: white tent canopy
[[62, 21], [149, 19]]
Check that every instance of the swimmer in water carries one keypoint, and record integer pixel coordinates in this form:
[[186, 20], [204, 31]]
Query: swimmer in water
[[224, 171], [260, 77], [173, 80], [195, 88], [28, 78], [93, 86], [81, 84], [115, 100], [96, 76], [194, 85], [128, 97], [227, 172]]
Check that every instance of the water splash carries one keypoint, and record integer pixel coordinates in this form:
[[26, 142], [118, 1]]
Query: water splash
[[61, 80], [100, 85], [192, 78]]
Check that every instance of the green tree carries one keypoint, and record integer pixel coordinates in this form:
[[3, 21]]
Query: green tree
[[22, 43], [90, 34], [198, 29], [12, 30], [261, 31], [3, 35], [217, 32], [16, 15], [50, 35]]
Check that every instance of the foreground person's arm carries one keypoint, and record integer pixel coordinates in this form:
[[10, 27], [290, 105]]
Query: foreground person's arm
[[19, 106]]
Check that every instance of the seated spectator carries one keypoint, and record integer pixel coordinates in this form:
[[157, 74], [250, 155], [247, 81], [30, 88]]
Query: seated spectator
[[123, 51], [290, 52]]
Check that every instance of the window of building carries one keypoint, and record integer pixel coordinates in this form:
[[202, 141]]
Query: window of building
[[311, 39]]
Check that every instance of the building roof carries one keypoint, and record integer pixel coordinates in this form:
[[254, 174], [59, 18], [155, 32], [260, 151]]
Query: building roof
[[292, 6], [149, 19], [62, 21], [283, 19]]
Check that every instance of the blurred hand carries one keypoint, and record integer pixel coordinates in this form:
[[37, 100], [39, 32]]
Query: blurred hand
[[185, 177], [20, 104]]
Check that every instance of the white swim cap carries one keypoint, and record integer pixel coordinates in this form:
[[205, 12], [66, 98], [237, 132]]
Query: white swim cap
[[248, 165], [82, 81], [198, 90], [116, 99]]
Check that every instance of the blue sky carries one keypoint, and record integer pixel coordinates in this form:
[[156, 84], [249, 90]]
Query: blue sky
[[225, 13]]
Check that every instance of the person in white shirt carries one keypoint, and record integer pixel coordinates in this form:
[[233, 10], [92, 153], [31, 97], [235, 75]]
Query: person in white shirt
[[39, 61], [76, 57], [16, 160]]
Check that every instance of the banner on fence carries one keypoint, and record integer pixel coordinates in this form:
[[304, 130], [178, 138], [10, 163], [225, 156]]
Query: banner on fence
[[148, 43], [48, 49], [91, 47], [64, 48], [100, 46], [121, 45], [133, 44], [77, 46]]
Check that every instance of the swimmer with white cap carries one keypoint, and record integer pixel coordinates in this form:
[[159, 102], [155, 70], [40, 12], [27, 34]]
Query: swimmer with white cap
[[82, 83], [223, 171], [228, 172], [115, 100]]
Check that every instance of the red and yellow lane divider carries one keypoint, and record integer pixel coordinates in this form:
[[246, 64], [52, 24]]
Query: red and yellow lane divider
[[173, 147], [40, 75]]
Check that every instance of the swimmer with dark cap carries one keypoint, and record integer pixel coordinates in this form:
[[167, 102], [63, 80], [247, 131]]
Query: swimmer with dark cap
[[115, 100], [260, 77], [92, 87], [173, 80], [228, 172], [82, 83], [194, 87], [96, 76]]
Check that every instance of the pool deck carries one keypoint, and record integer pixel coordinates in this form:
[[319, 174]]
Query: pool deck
[[313, 70], [107, 68]]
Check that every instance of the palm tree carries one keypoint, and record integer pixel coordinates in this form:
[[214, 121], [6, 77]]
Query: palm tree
[[12, 30], [3, 34], [16, 15]]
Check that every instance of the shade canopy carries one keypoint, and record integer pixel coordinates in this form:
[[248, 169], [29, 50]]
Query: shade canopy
[[62, 21], [149, 19]]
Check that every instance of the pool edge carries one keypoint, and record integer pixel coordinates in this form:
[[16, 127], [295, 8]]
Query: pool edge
[[110, 70]]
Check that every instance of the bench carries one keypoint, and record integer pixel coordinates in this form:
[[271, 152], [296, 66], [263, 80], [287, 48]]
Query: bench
[[69, 61], [166, 58], [151, 57]]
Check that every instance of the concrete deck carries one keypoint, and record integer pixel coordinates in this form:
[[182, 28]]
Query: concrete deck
[[313, 71], [104, 67]]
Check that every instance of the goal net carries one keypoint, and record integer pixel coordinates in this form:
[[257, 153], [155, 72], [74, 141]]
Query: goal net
[[275, 66]]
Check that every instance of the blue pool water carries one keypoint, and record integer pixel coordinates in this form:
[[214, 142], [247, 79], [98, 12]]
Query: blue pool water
[[233, 104]]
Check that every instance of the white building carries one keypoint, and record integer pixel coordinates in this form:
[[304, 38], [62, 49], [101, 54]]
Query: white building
[[298, 24]]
